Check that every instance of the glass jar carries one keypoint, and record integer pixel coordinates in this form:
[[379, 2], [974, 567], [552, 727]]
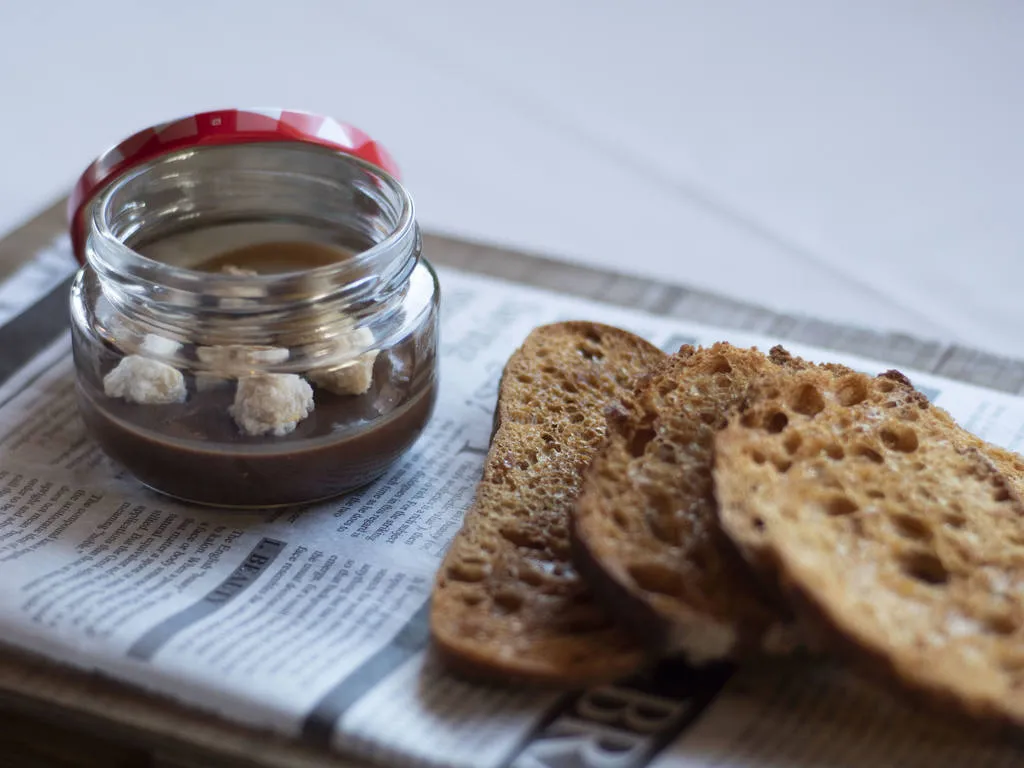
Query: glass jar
[[254, 325]]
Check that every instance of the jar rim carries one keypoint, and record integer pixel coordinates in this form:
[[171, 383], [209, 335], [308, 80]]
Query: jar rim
[[109, 255]]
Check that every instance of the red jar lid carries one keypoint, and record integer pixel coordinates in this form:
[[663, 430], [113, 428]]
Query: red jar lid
[[224, 126]]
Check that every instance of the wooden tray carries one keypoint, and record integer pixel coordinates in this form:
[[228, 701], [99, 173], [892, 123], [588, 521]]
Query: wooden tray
[[55, 716]]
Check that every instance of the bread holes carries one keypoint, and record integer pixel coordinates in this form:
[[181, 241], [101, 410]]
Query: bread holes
[[577, 418], [719, 364], [523, 537], [792, 443], [664, 528], [776, 422], [591, 352], [639, 441], [807, 400], [472, 597], [508, 601], [758, 456], [884, 385], [913, 528], [954, 518], [830, 481], [1000, 624], [924, 567], [840, 506], [874, 493], [568, 386], [488, 547], [898, 437], [654, 577], [467, 572], [524, 378], [852, 390], [665, 452], [592, 336], [863, 451], [835, 452], [620, 519], [667, 387], [749, 420], [758, 523], [712, 418], [661, 505], [1001, 493], [781, 464]]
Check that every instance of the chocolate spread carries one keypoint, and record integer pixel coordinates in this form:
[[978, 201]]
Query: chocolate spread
[[194, 450]]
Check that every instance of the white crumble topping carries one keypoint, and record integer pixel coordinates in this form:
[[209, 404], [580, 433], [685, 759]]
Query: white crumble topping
[[271, 403], [158, 345], [231, 269], [232, 360], [240, 358], [237, 297], [353, 377], [137, 379]]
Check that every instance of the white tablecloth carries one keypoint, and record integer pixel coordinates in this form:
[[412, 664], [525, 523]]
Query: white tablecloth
[[859, 161]]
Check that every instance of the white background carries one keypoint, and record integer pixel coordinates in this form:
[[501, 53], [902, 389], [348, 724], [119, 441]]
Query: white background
[[858, 160]]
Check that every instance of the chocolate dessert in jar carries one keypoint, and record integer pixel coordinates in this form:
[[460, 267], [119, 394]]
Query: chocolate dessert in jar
[[253, 324]]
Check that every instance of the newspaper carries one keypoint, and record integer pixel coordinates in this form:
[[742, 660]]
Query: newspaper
[[312, 621]]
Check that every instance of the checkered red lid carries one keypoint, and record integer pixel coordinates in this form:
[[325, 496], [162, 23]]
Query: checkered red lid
[[224, 126]]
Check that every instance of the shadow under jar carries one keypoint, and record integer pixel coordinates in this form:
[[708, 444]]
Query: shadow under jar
[[254, 325]]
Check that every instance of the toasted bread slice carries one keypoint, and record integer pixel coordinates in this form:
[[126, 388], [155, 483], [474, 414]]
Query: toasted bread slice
[[645, 528], [889, 529], [1009, 464], [507, 603]]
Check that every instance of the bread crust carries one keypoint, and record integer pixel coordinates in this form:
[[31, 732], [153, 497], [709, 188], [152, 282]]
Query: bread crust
[[645, 532], [507, 604], [891, 531]]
